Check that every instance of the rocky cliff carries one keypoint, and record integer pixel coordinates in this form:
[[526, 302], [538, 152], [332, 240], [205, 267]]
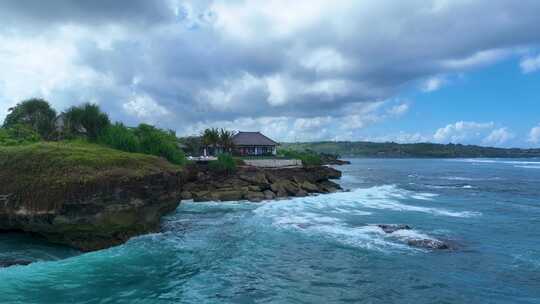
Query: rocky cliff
[[255, 184], [90, 197], [84, 196]]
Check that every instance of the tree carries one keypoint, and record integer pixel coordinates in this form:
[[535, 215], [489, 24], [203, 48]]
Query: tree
[[226, 140], [211, 138], [86, 119], [35, 113]]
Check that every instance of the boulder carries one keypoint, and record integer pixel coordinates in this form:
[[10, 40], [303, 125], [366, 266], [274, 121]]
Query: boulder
[[269, 195], [255, 196], [186, 195], [230, 195], [390, 228], [428, 244], [309, 187], [301, 193]]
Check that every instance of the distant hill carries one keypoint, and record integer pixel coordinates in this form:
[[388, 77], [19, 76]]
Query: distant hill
[[420, 150]]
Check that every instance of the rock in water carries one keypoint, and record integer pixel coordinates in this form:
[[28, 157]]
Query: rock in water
[[8, 263], [428, 244], [390, 228]]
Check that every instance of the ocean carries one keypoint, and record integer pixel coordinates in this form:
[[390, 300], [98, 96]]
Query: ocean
[[318, 249]]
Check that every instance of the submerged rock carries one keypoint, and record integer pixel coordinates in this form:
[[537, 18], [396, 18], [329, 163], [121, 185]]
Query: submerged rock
[[390, 228], [420, 243], [8, 263], [428, 244]]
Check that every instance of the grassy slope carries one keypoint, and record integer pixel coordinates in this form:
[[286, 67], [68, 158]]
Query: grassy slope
[[54, 165]]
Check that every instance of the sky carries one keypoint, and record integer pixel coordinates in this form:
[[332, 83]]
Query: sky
[[461, 71]]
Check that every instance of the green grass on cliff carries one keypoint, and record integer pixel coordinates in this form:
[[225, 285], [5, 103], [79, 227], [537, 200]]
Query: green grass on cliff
[[50, 164]]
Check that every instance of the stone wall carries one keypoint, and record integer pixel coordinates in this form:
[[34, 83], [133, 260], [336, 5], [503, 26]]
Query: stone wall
[[273, 163]]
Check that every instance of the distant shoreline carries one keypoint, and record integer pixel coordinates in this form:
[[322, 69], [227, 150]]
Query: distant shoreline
[[347, 149]]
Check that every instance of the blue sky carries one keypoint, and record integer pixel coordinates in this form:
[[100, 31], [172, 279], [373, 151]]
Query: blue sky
[[462, 71], [502, 94]]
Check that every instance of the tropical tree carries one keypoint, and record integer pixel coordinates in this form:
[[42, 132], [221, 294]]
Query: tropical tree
[[226, 140], [211, 138], [86, 119], [35, 113]]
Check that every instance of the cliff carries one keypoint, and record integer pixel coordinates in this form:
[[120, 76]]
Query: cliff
[[90, 197], [82, 195], [255, 184]]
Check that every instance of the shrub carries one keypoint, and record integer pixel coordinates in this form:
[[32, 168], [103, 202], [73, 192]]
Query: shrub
[[224, 163], [86, 119], [159, 142], [17, 135], [308, 158], [120, 137], [35, 113]]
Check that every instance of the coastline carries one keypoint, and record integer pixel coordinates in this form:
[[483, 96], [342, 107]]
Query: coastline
[[96, 202]]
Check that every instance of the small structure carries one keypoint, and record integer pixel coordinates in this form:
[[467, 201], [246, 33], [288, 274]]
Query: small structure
[[253, 144]]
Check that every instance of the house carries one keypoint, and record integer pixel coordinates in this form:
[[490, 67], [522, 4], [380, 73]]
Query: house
[[253, 144]]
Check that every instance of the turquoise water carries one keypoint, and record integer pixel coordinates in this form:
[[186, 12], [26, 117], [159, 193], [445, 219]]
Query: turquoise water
[[318, 249]]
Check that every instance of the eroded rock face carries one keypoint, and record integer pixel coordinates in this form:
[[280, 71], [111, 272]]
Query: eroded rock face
[[95, 215], [255, 184], [15, 262]]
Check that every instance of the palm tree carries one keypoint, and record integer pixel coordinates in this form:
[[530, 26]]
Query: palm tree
[[226, 140], [210, 139]]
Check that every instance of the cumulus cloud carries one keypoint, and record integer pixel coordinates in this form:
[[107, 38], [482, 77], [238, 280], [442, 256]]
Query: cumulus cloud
[[530, 64], [462, 131], [534, 135], [498, 137], [251, 64]]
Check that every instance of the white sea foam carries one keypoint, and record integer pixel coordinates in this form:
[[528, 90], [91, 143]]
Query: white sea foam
[[328, 216], [528, 167], [497, 161]]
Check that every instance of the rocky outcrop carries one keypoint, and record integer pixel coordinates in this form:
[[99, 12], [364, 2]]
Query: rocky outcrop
[[94, 215], [426, 243], [256, 184]]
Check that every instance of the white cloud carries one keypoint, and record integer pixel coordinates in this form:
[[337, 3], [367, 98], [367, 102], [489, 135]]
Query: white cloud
[[145, 108], [534, 135], [498, 137], [433, 84], [477, 59], [277, 90], [254, 62], [461, 131], [530, 64], [324, 60], [398, 110]]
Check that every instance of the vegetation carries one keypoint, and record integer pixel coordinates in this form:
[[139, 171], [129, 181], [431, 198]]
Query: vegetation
[[86, 119], [158, 142], [34, 120], [120, 137], [48, 166], [143, 139], [35, 113], [18, 135], [217, 140], [420, 150], [224, 163], [308, 158]]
